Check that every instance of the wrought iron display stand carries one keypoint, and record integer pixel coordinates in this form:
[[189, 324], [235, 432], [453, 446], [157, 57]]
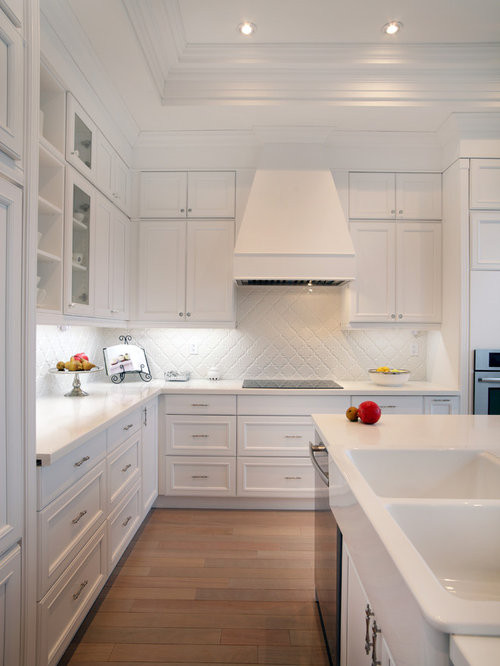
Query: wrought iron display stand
[[119, 377]]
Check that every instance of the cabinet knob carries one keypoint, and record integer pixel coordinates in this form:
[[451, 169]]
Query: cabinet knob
[[393, 212], [181, 314], [116, 195], [393, 316], [75, 153], [71, 305], [183, 210], [400, 212], [188, 314], [400, 316], [190, 210]]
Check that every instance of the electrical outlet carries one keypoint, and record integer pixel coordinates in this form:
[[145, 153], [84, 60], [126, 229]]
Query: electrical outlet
[[414, 349], [193, 348]]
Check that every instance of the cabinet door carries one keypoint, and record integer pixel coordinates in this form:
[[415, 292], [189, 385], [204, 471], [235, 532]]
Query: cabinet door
[[149, 452], [210, 284], [79, 245], [372, 196], [81, 139], [355, 634], [418, 271], [211, 194], [162, 280], [418, 196], [485, 240], [373, 291], [11, 472], [103, 257], [485, 183], [120, 183], [104, 158], [163, 194], [11, 89], [10, 607], [119, 264]]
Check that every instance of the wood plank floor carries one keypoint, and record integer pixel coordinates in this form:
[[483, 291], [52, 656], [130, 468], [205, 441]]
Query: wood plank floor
[[208, 587]]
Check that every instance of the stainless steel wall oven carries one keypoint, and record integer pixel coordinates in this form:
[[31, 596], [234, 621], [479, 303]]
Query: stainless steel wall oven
[[487, 381]]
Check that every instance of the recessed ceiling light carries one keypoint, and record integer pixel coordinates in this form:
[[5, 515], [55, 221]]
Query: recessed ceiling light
[[246, 28], [392, 27]]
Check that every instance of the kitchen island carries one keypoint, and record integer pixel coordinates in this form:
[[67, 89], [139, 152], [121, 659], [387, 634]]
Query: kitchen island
[[418, 502]]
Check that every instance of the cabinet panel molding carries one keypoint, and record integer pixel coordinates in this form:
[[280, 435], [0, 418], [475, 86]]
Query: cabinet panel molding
[[11, 89]]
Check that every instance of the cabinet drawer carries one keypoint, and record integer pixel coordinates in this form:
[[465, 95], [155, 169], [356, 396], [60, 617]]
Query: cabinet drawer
[[123, 523], [123, 469], [201, 404], [292, 404], [54, 479], [390, 404], [441, 404], [214, 477], [203, 435], [275, 477], [68, 521], [63, 608], [123, 429], [274, 435]]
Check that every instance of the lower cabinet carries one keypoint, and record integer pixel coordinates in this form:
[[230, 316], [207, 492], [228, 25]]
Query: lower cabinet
[[149, 452], [275, 477], [210, 477], [123, 523], [393, 404], [361, 640], [10, 607], [441, 404]]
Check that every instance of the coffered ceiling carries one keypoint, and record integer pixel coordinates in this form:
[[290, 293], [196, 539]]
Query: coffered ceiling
[[182, 64]]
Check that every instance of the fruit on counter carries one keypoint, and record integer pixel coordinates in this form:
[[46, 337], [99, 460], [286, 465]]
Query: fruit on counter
[[352, 413], [383, 368], [77, 363], [81, 357], [61, 365], [369, 412]]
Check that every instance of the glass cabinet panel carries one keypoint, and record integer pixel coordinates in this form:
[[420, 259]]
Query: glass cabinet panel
[[80, 247], [83, 142], [81, 139]]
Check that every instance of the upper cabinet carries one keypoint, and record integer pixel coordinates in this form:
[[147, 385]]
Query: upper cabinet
[[112, 174], [14, 10], [11, 89], [181, 194], [404, 196], [485, 184], [81, 139]]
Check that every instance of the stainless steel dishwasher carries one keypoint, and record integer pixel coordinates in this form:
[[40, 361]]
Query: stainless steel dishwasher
[[327, 555]]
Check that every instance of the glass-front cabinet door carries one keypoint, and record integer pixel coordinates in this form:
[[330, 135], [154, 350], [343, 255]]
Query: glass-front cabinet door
[[79, 245], [81, 139]]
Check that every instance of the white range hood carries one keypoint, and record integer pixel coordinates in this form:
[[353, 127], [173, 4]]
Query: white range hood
[[293, 230]]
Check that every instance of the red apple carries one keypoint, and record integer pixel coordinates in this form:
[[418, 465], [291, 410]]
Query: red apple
[[369, 412], [81, 357]]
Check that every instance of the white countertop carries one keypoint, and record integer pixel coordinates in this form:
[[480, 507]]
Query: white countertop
[[64, 423], [475, 650]]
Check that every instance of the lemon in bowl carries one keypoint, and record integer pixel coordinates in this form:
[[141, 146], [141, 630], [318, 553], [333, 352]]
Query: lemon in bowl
[[386, 376]]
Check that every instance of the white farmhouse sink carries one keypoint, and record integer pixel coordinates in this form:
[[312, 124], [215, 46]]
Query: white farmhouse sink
[[459, 543], [437, 474]]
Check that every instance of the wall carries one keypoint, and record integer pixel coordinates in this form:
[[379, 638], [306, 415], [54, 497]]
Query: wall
[[281, 332]]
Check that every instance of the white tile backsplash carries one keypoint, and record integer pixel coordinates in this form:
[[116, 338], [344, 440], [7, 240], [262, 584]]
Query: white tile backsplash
[[281, 332]]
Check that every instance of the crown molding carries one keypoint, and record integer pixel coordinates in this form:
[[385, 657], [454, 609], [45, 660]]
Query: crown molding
[[196, 138]]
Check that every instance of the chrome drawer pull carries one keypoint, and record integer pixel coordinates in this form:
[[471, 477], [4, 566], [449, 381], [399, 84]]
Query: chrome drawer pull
[[293, 436], [491, 380], [127, 427], [126, 521], [79, 517], [199, 476], [199, 404], [127, 467], [440, 400], [368, 614], [199, 435], [82, 586], [80, 462], [375, 631], [291, 478], [387, 406]]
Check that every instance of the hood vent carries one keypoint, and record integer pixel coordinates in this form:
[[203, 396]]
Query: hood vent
[[293, 283], [293, 231]]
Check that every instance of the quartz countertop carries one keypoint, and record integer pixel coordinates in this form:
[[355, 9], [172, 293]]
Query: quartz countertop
[[475, 650]]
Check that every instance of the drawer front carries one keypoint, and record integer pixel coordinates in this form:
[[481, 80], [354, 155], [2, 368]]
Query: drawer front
[[434, 404], [123, 429], [205, 435], [275, 477], [281, 405], [123, 523], [214, 477], [64, 473], [63, 608], [274, 435], [65, 525], [200, 404], [390, 404], [123, 469]]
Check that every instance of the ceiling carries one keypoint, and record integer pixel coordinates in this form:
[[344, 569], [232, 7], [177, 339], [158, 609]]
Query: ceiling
[[182, 65]]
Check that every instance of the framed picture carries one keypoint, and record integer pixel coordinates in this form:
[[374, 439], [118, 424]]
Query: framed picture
[[124, 358]]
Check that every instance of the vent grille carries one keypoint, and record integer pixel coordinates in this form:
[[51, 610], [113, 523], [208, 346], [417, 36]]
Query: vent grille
[[292, 283]]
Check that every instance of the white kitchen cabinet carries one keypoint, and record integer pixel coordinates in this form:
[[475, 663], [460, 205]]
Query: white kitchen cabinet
[[441, 404], [11, 89], [203, 476], [185, 271], [405, 196], [398, 272], [111, 261], [149, 455], [14, 10], [112, 176], [485, 184], [275, 435], [80, 238], [10, 607], [123, 523], [11, 432], [81, 139], [200, 435], [181, 194], [485, 240], [283, 477], [393, 404], [124, 469]]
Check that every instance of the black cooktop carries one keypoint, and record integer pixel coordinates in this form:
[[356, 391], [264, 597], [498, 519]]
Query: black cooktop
[[291, 384]]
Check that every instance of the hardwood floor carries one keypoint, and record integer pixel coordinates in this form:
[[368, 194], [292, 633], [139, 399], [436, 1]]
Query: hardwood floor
[[208, 587]]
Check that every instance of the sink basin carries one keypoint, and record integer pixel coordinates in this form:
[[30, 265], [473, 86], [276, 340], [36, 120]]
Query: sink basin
[[459, 543], [437, 474]]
